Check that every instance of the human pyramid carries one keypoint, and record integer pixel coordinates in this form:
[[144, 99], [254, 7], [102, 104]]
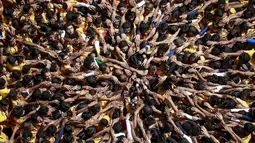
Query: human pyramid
[[127, 71]]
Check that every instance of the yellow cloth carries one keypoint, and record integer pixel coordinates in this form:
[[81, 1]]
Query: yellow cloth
[[232, 10], [243, 103], [3, 116], [97, 140], [247, 139], [12, 50], [3, 137], [4, 92], [15, 102], [107, 118], [20, 120], [202, 58], [45, 18], [250, 52]]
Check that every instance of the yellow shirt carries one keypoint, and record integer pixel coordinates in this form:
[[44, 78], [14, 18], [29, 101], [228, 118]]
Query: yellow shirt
[[4, 92], [250, 52], [3, 117], [12, 50]]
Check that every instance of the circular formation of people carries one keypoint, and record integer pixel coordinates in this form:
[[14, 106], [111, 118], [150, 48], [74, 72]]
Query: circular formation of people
[[127, 71]]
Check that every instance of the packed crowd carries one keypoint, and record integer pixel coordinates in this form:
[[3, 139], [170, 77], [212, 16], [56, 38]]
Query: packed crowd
[[127, 71]]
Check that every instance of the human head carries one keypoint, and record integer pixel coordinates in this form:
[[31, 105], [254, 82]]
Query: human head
[[18, 111], [122, 8], [69, 28]]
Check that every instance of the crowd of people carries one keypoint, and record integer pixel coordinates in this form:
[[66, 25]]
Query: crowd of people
[[127, 71]]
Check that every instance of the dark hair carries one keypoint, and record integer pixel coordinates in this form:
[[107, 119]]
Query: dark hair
[[228, 63], [219, 12], [215, 64], [18, 111], [56, 114], [43, 110], [13, 93], [26, 69], [91, 80], [27, 79], [102, 67], [117, 127], [215, 37], [244, 26], [121, 4], [4, 102], [8, 12], [168, 127], [234, 33], [144, 27], [163, 27], [69, 129], [90, 131], [53, 67], [123, 44], [193, 30], [239, 131], [37, 78], [214, 100], [68, 138], [228, 103], [206, 37], [26, 7], [126, 25], [238, 46], [244, 58], [95, 109], [206, 140], [34, 52], [249, 127], [149, 121], [51, 130], [81, 105], [2, 82], [179, 41], [1, 68], [116, 114], [16, 74], [98, 20], [87, 62], [147, 110], [65, 106], [37, 94], [163, 2], [103, 122], [87, 114], [46, 95], [11, 60], [26, 134], [91, 32]]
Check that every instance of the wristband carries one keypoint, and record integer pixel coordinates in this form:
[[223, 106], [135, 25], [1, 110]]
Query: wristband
[[187, 138], [235, 119], [220, 74], [203, 30], [171, 53], [193, 12], [237, 110], [153, 18], [140, 4], [249, 40]]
